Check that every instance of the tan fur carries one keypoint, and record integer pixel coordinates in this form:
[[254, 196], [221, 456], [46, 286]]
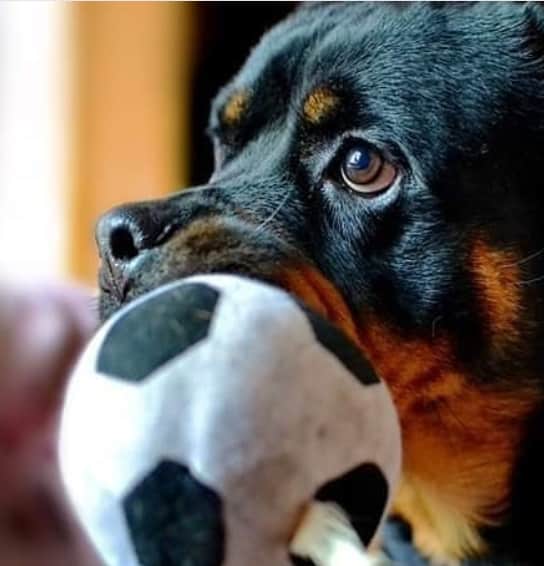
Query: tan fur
[[236, 107], [319, 104], [319, 294], [460, 440], [496, 276]]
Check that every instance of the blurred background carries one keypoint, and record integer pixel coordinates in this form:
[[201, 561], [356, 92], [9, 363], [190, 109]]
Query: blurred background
[[102, 103]]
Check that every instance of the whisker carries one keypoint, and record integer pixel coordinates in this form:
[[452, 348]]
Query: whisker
[[526, 259], [273, 214], [531, 281]]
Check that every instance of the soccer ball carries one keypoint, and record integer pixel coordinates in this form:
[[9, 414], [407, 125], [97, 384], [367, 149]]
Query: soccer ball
[[204, 419]]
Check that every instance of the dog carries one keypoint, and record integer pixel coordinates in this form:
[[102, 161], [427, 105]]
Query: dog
[[384, 164]]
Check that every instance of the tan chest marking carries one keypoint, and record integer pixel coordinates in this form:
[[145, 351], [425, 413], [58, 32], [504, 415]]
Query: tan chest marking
[[460, 442]]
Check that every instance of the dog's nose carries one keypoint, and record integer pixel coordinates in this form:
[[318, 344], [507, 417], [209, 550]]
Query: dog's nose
[[127, 232]]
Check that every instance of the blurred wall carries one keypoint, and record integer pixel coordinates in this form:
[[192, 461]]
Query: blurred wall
[[144, 75], [33, 150], [131, 68], [103, 103], [226, 33]]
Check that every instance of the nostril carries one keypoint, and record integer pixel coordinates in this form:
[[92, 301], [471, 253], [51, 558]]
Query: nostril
[[122, 245]]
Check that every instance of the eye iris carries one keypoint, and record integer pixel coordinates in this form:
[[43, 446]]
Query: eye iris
[[364, 170]]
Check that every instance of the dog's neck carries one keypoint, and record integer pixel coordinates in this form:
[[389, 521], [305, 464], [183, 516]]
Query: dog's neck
[[460, 443]]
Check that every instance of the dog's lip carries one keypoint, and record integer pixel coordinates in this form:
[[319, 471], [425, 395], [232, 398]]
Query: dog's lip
[[321, 295], [110, 284]]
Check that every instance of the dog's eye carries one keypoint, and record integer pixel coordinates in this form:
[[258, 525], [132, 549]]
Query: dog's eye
[[365, 171]]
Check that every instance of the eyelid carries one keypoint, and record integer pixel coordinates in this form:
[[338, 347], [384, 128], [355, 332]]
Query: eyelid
[[323, 159]]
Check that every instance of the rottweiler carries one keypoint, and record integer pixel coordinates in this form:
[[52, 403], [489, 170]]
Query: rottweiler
[[385, 164]]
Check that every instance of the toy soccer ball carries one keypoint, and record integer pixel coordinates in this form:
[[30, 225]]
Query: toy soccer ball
[[217, 422]]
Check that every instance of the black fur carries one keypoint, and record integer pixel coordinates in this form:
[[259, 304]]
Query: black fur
[[453, 94]]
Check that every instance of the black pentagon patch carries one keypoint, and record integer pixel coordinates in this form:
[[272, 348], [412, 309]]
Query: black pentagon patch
[[334, 340], [362, 494], [156, 330], [300, 561], [174, 520]]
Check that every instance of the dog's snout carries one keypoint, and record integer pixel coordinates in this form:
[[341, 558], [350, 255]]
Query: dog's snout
[[126, 232], [119, 235], [199, 230]]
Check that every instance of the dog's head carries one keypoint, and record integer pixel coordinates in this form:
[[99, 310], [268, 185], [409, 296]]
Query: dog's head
[[385, 164]]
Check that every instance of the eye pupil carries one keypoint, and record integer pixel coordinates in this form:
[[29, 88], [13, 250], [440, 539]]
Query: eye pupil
[[359, 159]]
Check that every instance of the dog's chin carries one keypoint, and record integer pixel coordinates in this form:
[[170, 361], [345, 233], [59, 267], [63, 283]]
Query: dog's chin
[[111, 300], [108, 304], [302, 280]]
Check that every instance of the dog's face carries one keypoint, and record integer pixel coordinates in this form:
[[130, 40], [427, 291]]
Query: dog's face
[[385, 165]]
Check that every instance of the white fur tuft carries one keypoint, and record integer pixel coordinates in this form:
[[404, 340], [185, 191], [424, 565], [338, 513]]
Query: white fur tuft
[[326, 537]]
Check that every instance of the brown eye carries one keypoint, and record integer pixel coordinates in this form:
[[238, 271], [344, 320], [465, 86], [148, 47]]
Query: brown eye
[[365, 171]]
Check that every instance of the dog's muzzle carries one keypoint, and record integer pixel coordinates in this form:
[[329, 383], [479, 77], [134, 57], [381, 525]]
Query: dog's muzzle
[[148, 244]]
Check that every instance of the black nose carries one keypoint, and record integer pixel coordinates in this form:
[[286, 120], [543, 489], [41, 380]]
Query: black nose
[[125, 232]]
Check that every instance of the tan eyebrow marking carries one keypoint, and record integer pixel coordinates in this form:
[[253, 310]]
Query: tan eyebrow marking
[[236, 107], [319, 104]]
